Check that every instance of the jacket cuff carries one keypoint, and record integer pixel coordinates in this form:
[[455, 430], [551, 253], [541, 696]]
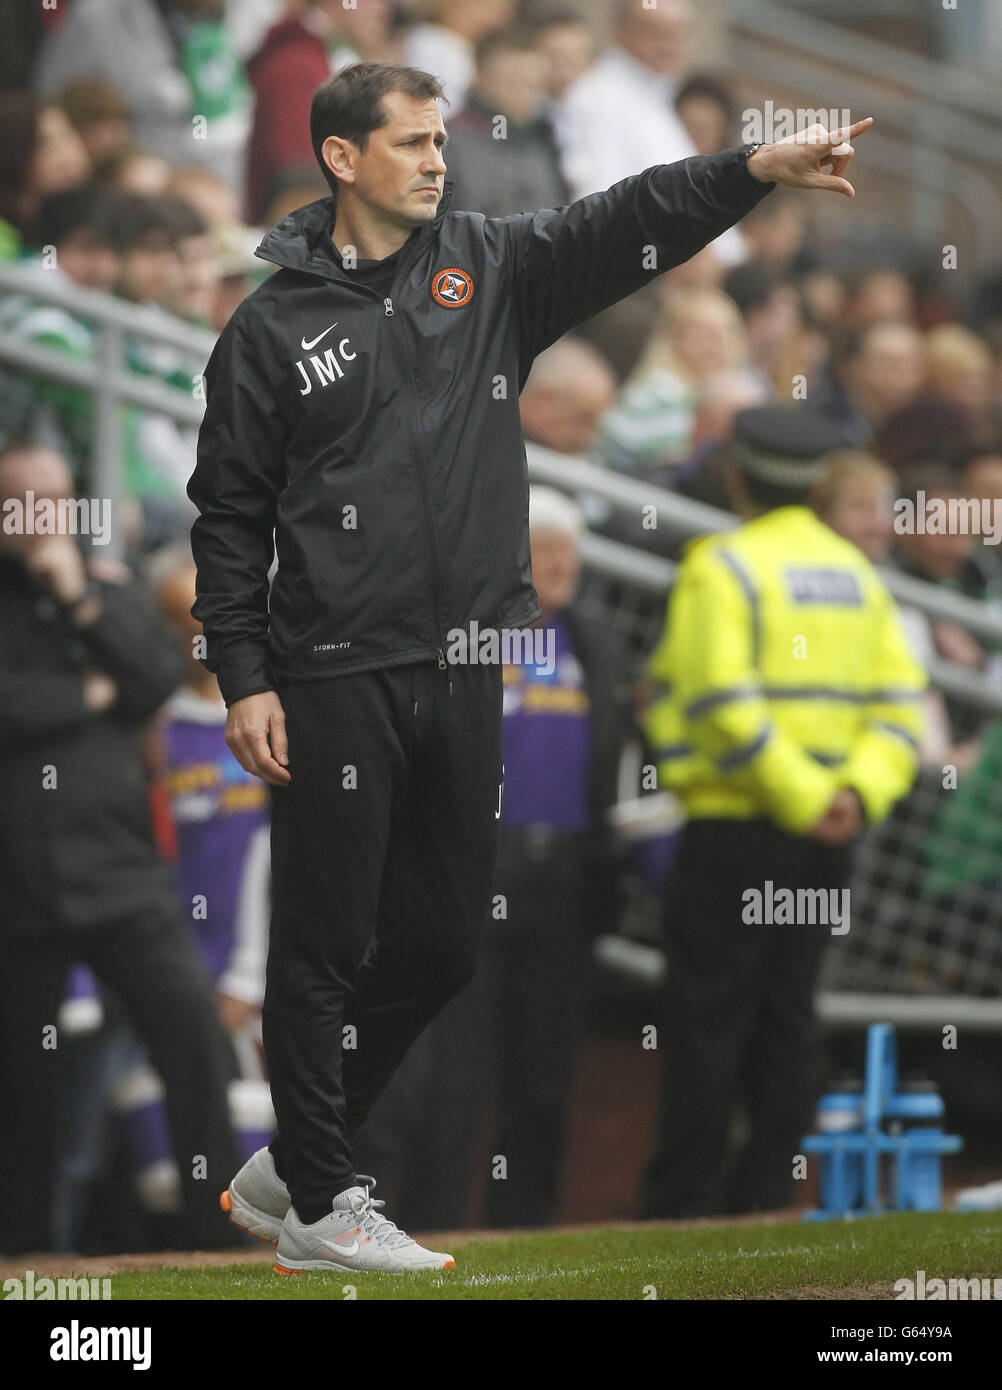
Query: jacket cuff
[[745, 184]]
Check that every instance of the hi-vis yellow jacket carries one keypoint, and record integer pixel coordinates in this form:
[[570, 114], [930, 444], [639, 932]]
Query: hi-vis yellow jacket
[[783, 675]]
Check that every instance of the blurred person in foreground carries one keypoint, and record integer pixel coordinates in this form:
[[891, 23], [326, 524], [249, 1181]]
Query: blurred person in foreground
[[786, 718], [501, 150], [406, 423], [83, 668], [511, 1036]]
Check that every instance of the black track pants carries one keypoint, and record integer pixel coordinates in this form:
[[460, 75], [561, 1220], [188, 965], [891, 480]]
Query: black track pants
[[383, 854]]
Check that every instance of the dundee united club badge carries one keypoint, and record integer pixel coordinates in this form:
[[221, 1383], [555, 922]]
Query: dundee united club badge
[[452, 288]]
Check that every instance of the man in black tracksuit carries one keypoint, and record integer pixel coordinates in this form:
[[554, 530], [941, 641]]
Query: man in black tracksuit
[[364, 404]]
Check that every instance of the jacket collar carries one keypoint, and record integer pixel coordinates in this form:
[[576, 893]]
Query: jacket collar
[[302, 240]]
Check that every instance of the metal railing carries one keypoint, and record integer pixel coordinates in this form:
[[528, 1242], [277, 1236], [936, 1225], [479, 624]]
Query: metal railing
[[106, 375], [642, 579], [938, 123]]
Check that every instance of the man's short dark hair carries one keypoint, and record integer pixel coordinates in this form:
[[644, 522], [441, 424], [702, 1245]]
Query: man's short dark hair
[[350, 105]]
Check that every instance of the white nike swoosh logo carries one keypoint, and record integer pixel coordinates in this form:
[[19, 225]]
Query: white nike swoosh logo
[[351, 1249], [308, 347]]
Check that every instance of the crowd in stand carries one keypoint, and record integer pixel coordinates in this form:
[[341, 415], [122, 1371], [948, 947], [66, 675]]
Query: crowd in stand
[[145, 147]]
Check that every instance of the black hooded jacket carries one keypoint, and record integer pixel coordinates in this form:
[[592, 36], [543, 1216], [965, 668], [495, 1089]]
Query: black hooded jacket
[[378, 436]]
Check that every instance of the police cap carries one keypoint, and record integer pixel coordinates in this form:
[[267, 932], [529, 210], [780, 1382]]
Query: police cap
[[786, 446]]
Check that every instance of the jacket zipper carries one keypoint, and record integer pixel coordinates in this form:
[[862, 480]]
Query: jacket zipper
[[425, 499]]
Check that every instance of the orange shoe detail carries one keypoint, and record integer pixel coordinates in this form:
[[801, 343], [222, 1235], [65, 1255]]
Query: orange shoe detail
[[225, 1200], [281, 1269], [450, 1264]]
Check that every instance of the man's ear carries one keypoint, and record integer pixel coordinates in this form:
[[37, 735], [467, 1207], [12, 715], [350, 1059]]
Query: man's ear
[[340, 156]]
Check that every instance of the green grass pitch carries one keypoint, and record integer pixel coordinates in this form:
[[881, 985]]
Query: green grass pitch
[[790, 1260]]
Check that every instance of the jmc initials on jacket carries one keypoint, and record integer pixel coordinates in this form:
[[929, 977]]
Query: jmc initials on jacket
[[379, 437]]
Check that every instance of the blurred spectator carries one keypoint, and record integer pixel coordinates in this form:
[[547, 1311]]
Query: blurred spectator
[[567, 43], [927, 427], [297, 54], [567, 392], [239, 272], [855, 498], [99, 116], [566, 718], [79, 240], [284, 73], [781, 342], [195, 295], [721, 396], [219, 812], [207, 193], [776, 232], [176, 66], [151, 266], [23, 31], [822, 291], [941, 554], [134, 171], [160, 233], [651, 426], [511, 165], [618, 117], [982, 479], [83, 667], [961, 371], [874, 373], [879, 296], [40, 153], [706, 108], [948, 555], [443, 40]]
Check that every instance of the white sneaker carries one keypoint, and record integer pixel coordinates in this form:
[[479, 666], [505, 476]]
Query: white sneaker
[[257, 1199], [353, 1237]]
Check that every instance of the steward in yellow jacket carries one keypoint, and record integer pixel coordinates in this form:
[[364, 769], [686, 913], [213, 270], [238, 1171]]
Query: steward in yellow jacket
[[783, 675], [786, 714]]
